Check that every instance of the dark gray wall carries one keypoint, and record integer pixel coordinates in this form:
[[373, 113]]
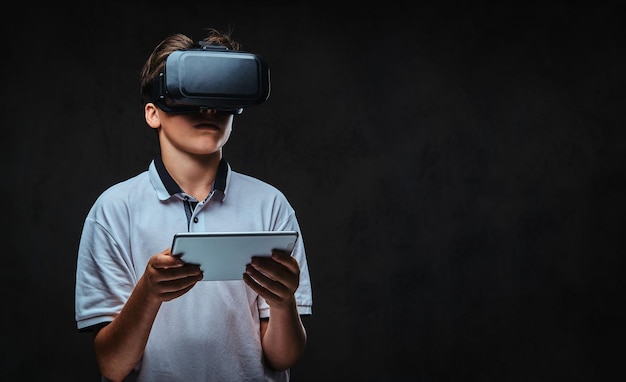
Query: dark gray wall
[[457, 172]]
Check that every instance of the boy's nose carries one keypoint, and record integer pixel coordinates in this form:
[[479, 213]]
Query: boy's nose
[[207, 110]]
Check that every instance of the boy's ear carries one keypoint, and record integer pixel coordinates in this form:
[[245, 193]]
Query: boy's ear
[[152, 115]]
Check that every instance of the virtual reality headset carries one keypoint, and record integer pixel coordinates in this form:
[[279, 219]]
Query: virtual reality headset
[[211, 77]]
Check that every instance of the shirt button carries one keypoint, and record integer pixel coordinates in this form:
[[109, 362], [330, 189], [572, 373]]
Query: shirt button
[[195, 220]]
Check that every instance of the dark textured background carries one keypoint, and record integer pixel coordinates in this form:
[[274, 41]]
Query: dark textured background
[[457, 170]]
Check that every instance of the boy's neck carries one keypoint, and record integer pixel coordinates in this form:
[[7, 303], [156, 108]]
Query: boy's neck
[[193, 174]]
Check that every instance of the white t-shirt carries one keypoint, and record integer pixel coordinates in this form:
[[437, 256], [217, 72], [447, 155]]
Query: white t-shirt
[[212, 333]]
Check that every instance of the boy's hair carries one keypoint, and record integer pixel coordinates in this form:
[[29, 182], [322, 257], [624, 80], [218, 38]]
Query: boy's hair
[[156, 62]]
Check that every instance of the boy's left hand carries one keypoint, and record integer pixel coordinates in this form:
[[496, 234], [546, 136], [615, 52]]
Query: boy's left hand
[[274, 278]]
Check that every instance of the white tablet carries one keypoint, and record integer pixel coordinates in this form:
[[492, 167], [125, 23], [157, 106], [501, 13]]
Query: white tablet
[[224, 255]]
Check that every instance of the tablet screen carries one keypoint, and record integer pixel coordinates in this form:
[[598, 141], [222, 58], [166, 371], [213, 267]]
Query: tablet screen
[[224, 255]]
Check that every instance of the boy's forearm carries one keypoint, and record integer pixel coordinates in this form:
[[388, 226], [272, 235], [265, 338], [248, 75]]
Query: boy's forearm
[[285, 338], [120, 345]]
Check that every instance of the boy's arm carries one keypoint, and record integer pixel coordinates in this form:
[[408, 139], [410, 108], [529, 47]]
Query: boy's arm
[[120, 345], [276, 279], [283, 338]]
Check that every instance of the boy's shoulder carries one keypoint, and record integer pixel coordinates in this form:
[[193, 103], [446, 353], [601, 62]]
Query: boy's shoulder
[[238, 179], [125, 188]]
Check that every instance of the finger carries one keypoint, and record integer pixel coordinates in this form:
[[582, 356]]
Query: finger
[[263, 292], [175, 284], [165, 274], [165, 263], [286, 259], [165, 260], [271, 269], [170, 295], [285, 298], [280, 255], [273, 288], [287, 275], [267, 281]]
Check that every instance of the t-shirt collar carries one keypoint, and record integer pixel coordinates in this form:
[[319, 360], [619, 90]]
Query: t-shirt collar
[[173, 188]]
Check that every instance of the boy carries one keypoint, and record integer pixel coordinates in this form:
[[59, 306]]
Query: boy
[[152, 318]]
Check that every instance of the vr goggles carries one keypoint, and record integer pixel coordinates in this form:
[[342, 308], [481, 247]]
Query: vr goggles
[[211, 77]]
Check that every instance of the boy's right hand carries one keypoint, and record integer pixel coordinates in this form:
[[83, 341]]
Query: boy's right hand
[[168, 277]]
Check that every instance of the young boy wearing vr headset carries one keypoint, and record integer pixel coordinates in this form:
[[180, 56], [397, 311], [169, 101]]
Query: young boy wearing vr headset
[[152, 318]]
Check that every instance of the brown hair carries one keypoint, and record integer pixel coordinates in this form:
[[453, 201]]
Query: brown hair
[[156, 62]]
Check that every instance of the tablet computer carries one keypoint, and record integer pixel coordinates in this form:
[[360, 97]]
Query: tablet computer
[[224, 255]]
